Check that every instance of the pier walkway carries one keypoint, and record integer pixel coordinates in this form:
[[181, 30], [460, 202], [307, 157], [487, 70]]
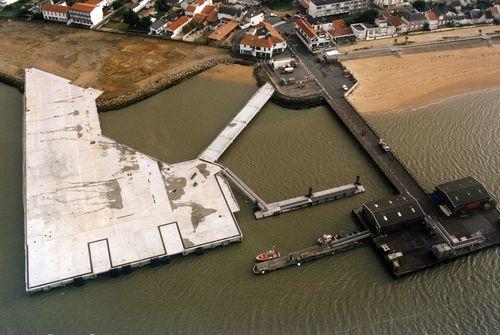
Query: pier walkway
[[311, 253], [264, 210], [236, 126]]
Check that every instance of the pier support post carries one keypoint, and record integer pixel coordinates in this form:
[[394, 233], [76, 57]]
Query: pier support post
[[309, 195], [358, 180], [256, 206]]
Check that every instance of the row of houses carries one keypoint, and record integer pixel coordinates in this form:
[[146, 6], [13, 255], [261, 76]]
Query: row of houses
[[87, 13], [202, 13], [319, 34]]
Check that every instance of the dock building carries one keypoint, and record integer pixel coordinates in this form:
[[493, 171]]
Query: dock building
[[393, 214], [461, 195]]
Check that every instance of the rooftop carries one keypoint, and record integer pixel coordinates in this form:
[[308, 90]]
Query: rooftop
[[55, 8], [463, 191], [306, 28], [394, 210], [178, 23], [83, 7], [224, 30]]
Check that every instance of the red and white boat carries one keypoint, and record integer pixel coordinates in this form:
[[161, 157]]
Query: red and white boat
[[268, 255]]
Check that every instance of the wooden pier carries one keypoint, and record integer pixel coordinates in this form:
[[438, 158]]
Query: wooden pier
[[308, 254]]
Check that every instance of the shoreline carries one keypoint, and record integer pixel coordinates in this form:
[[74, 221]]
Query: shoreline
[[438, 100], [392, 83]]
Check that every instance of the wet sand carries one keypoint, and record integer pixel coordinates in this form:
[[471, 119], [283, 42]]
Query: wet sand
[[394, 83], [234, 73]]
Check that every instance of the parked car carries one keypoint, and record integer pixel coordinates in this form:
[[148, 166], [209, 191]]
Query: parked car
[[273, 15], [384, 145], [345, 88]]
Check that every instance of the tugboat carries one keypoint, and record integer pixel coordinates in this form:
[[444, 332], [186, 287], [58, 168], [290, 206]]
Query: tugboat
[[268, 255]]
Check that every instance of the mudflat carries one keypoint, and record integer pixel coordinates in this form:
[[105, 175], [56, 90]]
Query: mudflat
[[116, 64], [392, 83]]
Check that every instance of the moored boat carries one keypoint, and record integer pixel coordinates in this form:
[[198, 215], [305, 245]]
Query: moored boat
[[265, 256]]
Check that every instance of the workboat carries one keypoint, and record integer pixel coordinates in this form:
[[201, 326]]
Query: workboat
[[268, 255], [328, 238]]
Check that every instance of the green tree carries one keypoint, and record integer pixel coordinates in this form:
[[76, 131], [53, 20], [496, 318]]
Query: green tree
[[130, 17], [144, 23], [117, 4], [419, 5], [367, 16], [426, 26]]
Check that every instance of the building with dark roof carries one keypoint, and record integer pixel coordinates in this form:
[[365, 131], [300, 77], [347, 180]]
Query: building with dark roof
[[392, 214], [414, 20], [462, 194]]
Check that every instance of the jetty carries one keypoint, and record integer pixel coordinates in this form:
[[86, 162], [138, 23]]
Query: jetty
[[308, 254], [237, 124], [263, 209]]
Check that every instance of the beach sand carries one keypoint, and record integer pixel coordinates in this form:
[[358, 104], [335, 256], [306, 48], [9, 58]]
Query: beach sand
[[235, 73], [394, 83]]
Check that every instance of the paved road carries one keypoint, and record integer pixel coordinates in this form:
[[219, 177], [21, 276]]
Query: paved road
[[331, 78]]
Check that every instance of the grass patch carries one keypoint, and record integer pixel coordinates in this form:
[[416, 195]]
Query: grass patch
[[117, 25]]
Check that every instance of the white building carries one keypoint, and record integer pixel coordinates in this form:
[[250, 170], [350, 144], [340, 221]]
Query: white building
[[431, 19], [85, 14], [57, 13], [372, 31], [158, 27], [318, 8], [252, 18], [313, 40], [263, 42], [390, 3]]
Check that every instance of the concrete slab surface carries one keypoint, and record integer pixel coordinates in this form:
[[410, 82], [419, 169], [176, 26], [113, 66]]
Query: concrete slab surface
[[92, 204]]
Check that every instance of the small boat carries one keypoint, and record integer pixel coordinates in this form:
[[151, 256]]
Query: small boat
[[268, 255]]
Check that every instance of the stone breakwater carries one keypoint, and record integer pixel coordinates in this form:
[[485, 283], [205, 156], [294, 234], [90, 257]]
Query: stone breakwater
[[107, 104], [286, 101], [11, 79]]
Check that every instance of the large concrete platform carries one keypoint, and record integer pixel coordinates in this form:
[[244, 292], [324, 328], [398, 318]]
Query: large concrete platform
[[92, 204]]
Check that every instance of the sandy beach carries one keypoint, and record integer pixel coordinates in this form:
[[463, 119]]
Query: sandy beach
[[394, 83]]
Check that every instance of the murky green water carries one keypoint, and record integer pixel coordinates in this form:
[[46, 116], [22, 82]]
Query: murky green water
[[280, 155]]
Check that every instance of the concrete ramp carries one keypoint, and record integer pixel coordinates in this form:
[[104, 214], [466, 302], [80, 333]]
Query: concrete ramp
[[236, 126]]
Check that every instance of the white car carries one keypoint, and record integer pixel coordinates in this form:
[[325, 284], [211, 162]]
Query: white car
[[273, 15], [345, 88]]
